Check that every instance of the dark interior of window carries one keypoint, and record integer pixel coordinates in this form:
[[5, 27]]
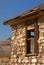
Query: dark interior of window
[[30, 41]]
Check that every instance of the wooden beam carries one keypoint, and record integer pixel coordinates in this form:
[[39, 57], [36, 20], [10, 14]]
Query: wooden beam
[[36, 36], [25, 19]]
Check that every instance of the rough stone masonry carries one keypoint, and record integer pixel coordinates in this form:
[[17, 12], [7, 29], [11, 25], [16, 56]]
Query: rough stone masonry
[[18, 46]]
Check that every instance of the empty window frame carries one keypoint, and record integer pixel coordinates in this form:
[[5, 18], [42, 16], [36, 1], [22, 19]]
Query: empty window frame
[[31, 40]]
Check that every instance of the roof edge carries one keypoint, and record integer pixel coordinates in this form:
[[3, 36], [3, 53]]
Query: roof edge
[[38, 8]]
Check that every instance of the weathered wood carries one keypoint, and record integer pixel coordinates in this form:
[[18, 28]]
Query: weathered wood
[[28, 18], [36, 37]]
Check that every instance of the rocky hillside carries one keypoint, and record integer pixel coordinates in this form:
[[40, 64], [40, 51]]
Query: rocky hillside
[[5, 47]]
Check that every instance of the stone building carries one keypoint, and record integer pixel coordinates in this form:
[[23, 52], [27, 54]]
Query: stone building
[[28, 37]]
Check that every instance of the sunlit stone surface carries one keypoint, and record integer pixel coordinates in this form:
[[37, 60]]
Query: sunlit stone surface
[[18, 48]]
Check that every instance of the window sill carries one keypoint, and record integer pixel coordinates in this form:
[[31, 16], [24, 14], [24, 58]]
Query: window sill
[[31, 54]]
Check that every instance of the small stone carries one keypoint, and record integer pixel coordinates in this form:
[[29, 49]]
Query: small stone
[[11, 53], [11, 60], [42, 60], [23, 43], [16, 64], [40, 47], [19, 60], [23, 61], [13, 38], [14, 55], [40, 50], [23, 52], [34, 60], [26, 61]]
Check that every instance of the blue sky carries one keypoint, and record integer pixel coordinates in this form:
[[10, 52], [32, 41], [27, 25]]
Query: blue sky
[[11, 8]]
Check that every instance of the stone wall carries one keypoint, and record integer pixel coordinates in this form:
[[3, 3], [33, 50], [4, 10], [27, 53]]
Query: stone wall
[[19, 47]]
